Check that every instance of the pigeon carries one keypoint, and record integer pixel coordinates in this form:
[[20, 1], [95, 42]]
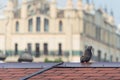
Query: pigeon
[[87, 55]]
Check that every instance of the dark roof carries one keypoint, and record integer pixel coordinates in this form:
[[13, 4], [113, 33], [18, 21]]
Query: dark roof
[[56, 71]]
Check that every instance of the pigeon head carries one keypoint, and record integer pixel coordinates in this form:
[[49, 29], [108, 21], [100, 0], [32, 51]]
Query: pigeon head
[[90, 47]]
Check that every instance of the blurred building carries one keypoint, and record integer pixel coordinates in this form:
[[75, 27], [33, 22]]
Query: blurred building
[[43, 29]]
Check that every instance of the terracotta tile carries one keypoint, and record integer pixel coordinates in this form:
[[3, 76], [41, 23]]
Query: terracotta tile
[[90, 71], [83, 69], [78, 74], [57, 77], [93, 75], [112, 75], [116, 78], [74, 78], [47, 72], [104, 69], [100, 78], [68, 75], [111, 71], [37, 77], [15, 74], [63, 74]]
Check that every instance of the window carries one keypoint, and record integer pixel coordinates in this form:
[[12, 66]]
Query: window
[[99, 55], [86, 47], [30, 25], [60, 49], [17, 26], [38, 24], [105, 57], [60, 26], [46, 25], [117, 60], [16, 49], [111, 58], [29, 48], [98, 33], [37, 49], [45, 48], [84, 23]]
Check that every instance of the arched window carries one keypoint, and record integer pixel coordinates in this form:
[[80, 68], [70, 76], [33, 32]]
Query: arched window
[[111, 58], [16, 48], [105, 57], [38, 22], [117, 59], [60, 26], [30, 25], [46, 25], [45, 48], [85, 26], [17, 26], [99, 55], [60, 49]]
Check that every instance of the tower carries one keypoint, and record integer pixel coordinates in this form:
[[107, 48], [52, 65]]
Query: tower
[[10, 5], [9, 9], [79, 4], [9, 12], [15, 3], [92, 6], [69, 9], [53, 15], [80, 25], [87, 6], [69, 15], [69, 4], [79, 7], [53, 9], [24, 9], [24, 14]]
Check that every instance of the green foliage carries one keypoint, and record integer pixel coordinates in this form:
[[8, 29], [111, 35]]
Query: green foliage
[[53, 61], [58, 60], [46, 60]]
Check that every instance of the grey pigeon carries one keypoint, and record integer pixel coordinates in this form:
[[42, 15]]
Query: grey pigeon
[[87, 55]]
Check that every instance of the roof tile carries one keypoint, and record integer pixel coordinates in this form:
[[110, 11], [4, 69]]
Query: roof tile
[[62, 73], [15, 74], [79, 74], [113, 75]]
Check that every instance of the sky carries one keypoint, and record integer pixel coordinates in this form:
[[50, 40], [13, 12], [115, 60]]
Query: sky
[[110, 4], [113, 5]]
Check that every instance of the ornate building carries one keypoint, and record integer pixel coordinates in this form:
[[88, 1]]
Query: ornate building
[[43, 29]]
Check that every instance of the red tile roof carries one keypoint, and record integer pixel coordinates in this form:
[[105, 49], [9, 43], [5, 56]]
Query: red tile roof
[[15, 74], [79, 74], [66, 71]]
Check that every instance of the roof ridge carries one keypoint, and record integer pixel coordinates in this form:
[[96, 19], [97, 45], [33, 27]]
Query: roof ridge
[[41, 71]]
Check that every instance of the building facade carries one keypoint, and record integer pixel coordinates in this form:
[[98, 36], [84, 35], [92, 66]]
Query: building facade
[[43, 29]]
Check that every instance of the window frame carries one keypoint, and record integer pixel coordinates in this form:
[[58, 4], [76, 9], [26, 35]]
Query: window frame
[[38, 24], [17, 26], [60, 26], [46, 25], [30, 25]]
